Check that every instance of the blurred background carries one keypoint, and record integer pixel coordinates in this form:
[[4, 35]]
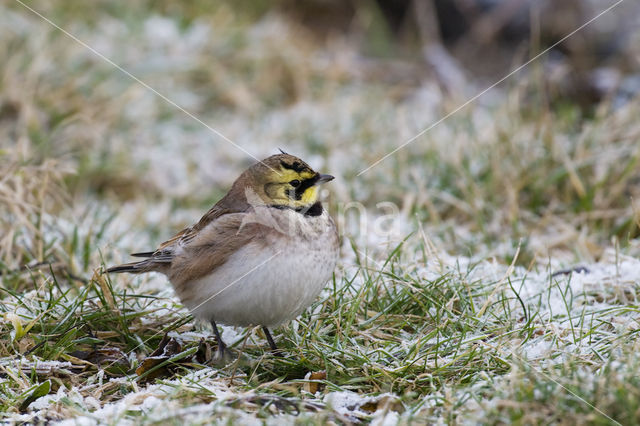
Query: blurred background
[[466, 137], [94, 162]]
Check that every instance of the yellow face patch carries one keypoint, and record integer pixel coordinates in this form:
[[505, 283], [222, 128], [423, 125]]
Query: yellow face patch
[[289, 187], [287, 175], [310, 195]]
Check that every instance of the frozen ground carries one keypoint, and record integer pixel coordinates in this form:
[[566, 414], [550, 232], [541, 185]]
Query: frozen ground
[[489, 271], [578, 315]]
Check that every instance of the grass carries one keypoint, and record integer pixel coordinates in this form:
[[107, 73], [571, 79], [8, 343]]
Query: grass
[[383, 329], [454, 315]]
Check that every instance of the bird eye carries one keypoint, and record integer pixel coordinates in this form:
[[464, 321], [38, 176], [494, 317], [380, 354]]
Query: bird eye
[[295, 183]]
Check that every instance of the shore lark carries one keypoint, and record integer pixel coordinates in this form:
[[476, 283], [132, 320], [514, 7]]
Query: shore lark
[[259, 256]]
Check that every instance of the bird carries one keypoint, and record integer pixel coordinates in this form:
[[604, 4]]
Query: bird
[[259, 257]]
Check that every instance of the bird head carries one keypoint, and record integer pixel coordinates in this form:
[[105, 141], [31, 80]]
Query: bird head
[[283, 180]]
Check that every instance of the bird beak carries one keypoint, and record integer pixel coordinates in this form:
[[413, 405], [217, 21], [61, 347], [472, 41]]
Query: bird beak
[[324, 178]]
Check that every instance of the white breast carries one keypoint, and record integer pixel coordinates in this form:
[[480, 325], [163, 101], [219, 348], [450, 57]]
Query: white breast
[[268, 285]]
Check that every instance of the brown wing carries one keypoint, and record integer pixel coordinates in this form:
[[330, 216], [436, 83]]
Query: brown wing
[[212, 246], [187, 234], [233, 202], [184, 254], [163, 257]]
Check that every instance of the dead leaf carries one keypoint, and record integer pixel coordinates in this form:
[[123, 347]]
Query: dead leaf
[[111, 359], [204, 354], [313, 387], [385, 402], [167, 348]]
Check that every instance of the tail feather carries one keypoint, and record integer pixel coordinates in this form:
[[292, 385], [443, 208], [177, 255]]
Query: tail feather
[[143, 254], [133, 267], [158, 260]]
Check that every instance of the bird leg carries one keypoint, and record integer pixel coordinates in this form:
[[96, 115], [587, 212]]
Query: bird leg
[[272, 344], [221, 346]]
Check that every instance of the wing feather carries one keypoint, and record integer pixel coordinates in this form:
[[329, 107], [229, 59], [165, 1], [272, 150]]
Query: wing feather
[[213, 245], [191, 239]]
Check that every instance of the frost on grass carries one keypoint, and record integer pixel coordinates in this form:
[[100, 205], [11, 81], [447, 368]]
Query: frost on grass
[[503, 286], [531, 322]]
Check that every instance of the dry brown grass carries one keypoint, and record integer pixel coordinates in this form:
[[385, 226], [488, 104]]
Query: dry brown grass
[[94, 166]]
